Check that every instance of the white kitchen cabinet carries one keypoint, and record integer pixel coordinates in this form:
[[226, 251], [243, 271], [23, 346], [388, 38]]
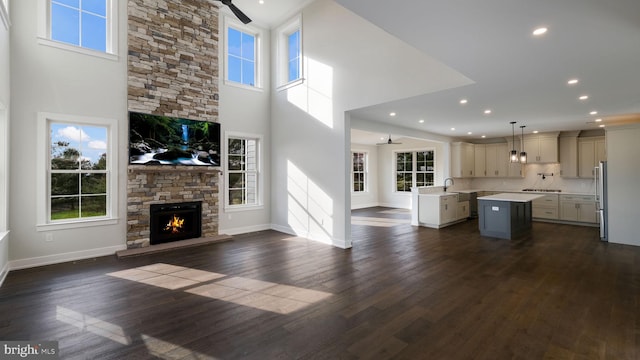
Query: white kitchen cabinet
[[462, 160], [438, 211], [479, 160], [568, 156], [591, 150], [462, 210], [497, 160], [545, 207], [541, 148], [580, 208], [514, 169]]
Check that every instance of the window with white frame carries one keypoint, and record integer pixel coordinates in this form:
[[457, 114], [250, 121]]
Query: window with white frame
[[243, 170], [290, 54], [359, 175], [414, 168], [242, 50], [79, 24], [79, 183]]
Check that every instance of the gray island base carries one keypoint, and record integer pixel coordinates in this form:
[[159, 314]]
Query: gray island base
[[505, 215]]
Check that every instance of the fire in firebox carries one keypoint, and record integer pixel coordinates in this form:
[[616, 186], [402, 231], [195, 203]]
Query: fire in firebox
[[175, 224]]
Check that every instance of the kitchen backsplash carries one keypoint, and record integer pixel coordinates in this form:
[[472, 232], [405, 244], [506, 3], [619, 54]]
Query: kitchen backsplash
[[531, 180]]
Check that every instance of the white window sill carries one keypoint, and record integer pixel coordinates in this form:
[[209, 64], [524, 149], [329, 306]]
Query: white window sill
[[77, 49], [243, 86], [74, 224], [290, 84], [239, 208]]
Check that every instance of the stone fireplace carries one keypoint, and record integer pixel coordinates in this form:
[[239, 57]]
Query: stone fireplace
[[172, 71]]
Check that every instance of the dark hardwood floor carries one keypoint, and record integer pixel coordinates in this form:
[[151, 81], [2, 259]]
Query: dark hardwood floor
[[401, 292]]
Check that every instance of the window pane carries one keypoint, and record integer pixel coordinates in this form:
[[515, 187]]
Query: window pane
[[65, 184], [234, 71], [234, 42], [94, 184], [236, 197], [72, 3], [248, 73], [65, 146], [236, 180], [94, 32], [294, 46], [95, 6], [93, 206], [65, 24], [294, 70], [248, 47], [65, 208], [236, 162]]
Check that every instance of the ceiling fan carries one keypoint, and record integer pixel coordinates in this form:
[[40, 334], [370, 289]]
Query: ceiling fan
[[237, 12], [389, 142]]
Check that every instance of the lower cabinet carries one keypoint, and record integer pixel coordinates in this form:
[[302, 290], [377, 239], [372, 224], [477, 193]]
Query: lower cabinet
[[579, 208], [438, 211], [545, 207]]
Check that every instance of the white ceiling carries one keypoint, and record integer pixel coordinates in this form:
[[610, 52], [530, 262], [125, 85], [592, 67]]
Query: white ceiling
[[518, 76]]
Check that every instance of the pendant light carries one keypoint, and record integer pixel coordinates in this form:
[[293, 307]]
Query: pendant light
[[523, 154], [513, 155]]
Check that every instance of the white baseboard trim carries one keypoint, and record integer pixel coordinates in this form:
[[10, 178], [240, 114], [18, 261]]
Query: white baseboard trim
[[245, 229], [64, 257], [340, 243]]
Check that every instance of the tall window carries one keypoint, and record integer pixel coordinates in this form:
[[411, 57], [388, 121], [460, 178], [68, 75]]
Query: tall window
[[294, 58], [78, 171], [242, 171], [241, 57], [77, 185], [414, 168], [359, 171], [290, 53], [80, 22]]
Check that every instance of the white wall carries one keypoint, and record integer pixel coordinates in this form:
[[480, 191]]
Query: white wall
[[247, 111], [623, 152], [47, 79], [368, 198], [4, 142], [344, 69]]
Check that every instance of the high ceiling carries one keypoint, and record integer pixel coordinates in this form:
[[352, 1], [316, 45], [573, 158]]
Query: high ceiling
[[518, 76]]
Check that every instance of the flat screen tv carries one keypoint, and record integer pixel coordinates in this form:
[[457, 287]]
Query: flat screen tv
[[165, 140]]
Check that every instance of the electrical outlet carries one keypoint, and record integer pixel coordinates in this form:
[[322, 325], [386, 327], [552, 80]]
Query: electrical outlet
[[48, 237]]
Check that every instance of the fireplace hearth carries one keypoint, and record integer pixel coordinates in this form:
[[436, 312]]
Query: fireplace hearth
[[173, 222]]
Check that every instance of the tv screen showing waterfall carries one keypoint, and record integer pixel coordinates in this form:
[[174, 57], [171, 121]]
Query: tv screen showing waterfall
[[165, 140]]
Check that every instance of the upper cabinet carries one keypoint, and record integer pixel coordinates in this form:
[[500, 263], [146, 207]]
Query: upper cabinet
[[462, 160], [541, 148], [497, 160], [591, 150], [479, 160], [568, 156]]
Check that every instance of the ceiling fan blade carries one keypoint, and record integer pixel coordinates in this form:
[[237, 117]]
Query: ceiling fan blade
[[239, 14]]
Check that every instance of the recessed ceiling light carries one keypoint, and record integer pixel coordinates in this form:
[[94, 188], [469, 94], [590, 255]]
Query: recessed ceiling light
[[453, 129], [488, 111], [463, 101], [539, 31], [598, 120], [421, 121], [483, 136], [260, 1], [572, 81], [601, 125], [392, 114], [584, 97], [382, 138], [593, 113], [469, 133], [535, 131]]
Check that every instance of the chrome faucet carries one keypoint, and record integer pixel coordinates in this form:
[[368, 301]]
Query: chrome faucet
[[445, 183]]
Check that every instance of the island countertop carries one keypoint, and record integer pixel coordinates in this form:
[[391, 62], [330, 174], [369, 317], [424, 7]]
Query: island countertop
[[513, 197]]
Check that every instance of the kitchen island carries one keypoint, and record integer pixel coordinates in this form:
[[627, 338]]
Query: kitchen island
[[505, 215]]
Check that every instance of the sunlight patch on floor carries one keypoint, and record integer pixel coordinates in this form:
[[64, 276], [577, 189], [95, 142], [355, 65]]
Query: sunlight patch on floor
[[263, 295], [166, 350], [92, 325]]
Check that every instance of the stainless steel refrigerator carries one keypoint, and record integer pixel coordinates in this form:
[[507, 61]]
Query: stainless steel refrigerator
[[601, 199]]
